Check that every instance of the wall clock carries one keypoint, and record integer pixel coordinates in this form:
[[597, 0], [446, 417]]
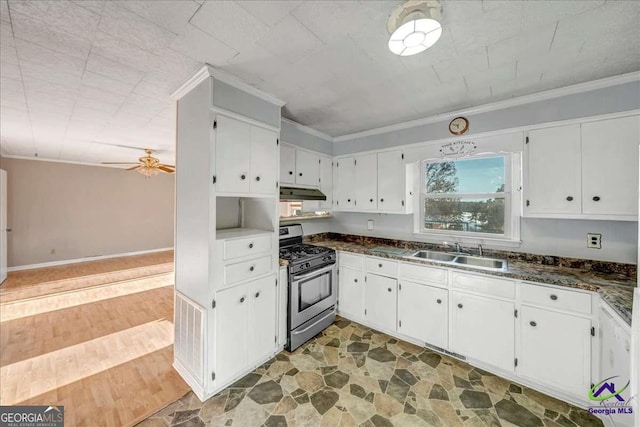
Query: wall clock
[[458, 126]]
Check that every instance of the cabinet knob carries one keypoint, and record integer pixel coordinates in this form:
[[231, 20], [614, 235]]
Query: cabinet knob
[[532, 323], [349, 200], [250, 245], [371, 200], [439, 301], [554, 297], [252, 268], [257, 178], [241, 300], [596, 198], [355, 280], [300, 174], [380, 265], [569, 198], [389, 289], [382, 200], [243, 177], [290, 172], [257, 294], [459, 305]]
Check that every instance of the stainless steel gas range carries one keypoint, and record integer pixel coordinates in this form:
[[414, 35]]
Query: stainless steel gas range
[[312, 286]]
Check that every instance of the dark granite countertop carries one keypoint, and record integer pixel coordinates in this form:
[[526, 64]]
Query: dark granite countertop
[[614, 282]]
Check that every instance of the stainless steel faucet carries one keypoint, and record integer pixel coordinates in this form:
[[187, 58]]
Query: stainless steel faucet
[[480, 250], [458, 248]]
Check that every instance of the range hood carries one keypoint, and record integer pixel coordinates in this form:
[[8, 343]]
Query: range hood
[[295, 193]]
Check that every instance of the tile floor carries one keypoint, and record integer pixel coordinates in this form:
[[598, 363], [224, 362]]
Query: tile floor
[[351, 375]]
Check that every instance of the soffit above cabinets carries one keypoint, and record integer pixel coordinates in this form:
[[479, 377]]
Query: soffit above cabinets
[[76, 73]]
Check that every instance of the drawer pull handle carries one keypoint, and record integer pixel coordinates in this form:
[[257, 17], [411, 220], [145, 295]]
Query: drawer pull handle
[[250, 245], [257, 294], [532, 323], [241, 300], [252, 268], [389, 289], [439, 301], [459, 305], [554, 297], [380, 265]]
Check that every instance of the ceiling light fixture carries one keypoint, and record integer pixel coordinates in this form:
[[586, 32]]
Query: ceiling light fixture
[[414, 26]]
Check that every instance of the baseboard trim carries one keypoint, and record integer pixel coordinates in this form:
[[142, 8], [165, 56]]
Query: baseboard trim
[[92, 258]]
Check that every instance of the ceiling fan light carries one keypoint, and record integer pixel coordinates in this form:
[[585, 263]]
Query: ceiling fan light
[[413, 27]]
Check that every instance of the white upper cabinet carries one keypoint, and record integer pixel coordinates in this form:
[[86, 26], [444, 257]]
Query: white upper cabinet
[[346, 185], [553, 160], [287, 164], [326, 181], [246, 157], [366, 182], [307, 168], [391, 181], [587, 170], [610, 166]]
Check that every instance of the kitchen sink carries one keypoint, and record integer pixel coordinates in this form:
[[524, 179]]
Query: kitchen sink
[[434, 256], [481, 263], [484, 263]]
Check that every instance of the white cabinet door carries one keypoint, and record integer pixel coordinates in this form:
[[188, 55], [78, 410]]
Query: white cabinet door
[[610, 166], [307, 168], [232, 352], [380, 301], [483, 329], [326, 182], [263, 319], [233, 155], [346, 183], [555, 350], [366, 182], [553, 183], [264, 160], [391, 176], [287, 164], [423, 313], [350, 293]]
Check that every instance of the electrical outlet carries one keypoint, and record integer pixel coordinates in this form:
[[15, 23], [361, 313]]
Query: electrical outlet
[[594, 240], [370, 224]]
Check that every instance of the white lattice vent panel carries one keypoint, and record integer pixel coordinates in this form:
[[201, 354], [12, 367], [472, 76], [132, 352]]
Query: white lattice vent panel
[[189, 336]]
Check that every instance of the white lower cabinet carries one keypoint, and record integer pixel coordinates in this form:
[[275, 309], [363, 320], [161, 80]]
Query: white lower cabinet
[[350, 287], [422, 313], [380, 301], [555, 349], [245, 326], [483, 329]]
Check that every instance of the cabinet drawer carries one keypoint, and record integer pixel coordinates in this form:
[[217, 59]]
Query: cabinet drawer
[[350, 260], [238, 248], [247, 269], [423, 274], [560, 299], [381, 266], [502, 288]]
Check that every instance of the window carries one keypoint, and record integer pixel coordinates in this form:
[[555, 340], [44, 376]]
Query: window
[[468, 197]]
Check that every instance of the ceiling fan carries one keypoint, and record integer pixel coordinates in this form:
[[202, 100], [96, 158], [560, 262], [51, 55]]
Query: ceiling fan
[[146, 165]]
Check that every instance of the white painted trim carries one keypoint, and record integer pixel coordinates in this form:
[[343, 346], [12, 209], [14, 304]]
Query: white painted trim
[[92, 258], [210, 71], [499, 105], [307, 129]]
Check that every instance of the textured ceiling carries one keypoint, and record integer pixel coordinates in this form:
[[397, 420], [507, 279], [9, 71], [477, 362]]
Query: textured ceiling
[[79, 80]]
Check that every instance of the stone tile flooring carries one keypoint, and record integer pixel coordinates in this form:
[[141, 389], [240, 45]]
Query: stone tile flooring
[[351, 375]]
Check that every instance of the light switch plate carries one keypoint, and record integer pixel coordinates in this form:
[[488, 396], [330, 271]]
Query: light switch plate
[[594, 240], [370, 224]]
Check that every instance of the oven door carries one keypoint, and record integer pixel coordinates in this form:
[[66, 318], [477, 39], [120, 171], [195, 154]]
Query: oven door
[[311, 293]]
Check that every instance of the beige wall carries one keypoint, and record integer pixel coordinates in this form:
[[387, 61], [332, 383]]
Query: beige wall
[[60, 211]]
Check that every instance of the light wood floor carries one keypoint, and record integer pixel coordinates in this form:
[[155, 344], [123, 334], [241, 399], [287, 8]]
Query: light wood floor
[[102, 345]]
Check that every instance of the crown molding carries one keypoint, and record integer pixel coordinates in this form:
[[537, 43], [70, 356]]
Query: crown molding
[[499, 105], [307, 129], [209, 71]]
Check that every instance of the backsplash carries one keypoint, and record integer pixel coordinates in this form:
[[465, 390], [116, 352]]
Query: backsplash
[[627, 271]]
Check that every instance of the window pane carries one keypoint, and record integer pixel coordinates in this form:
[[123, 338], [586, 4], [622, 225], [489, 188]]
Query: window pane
[[485, 175], [465, 214]]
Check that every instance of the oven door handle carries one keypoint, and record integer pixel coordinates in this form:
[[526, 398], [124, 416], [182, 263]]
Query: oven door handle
[[313, 273], [332, 312]]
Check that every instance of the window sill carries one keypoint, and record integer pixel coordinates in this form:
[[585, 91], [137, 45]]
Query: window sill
[[468, 240], [290, 219]]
